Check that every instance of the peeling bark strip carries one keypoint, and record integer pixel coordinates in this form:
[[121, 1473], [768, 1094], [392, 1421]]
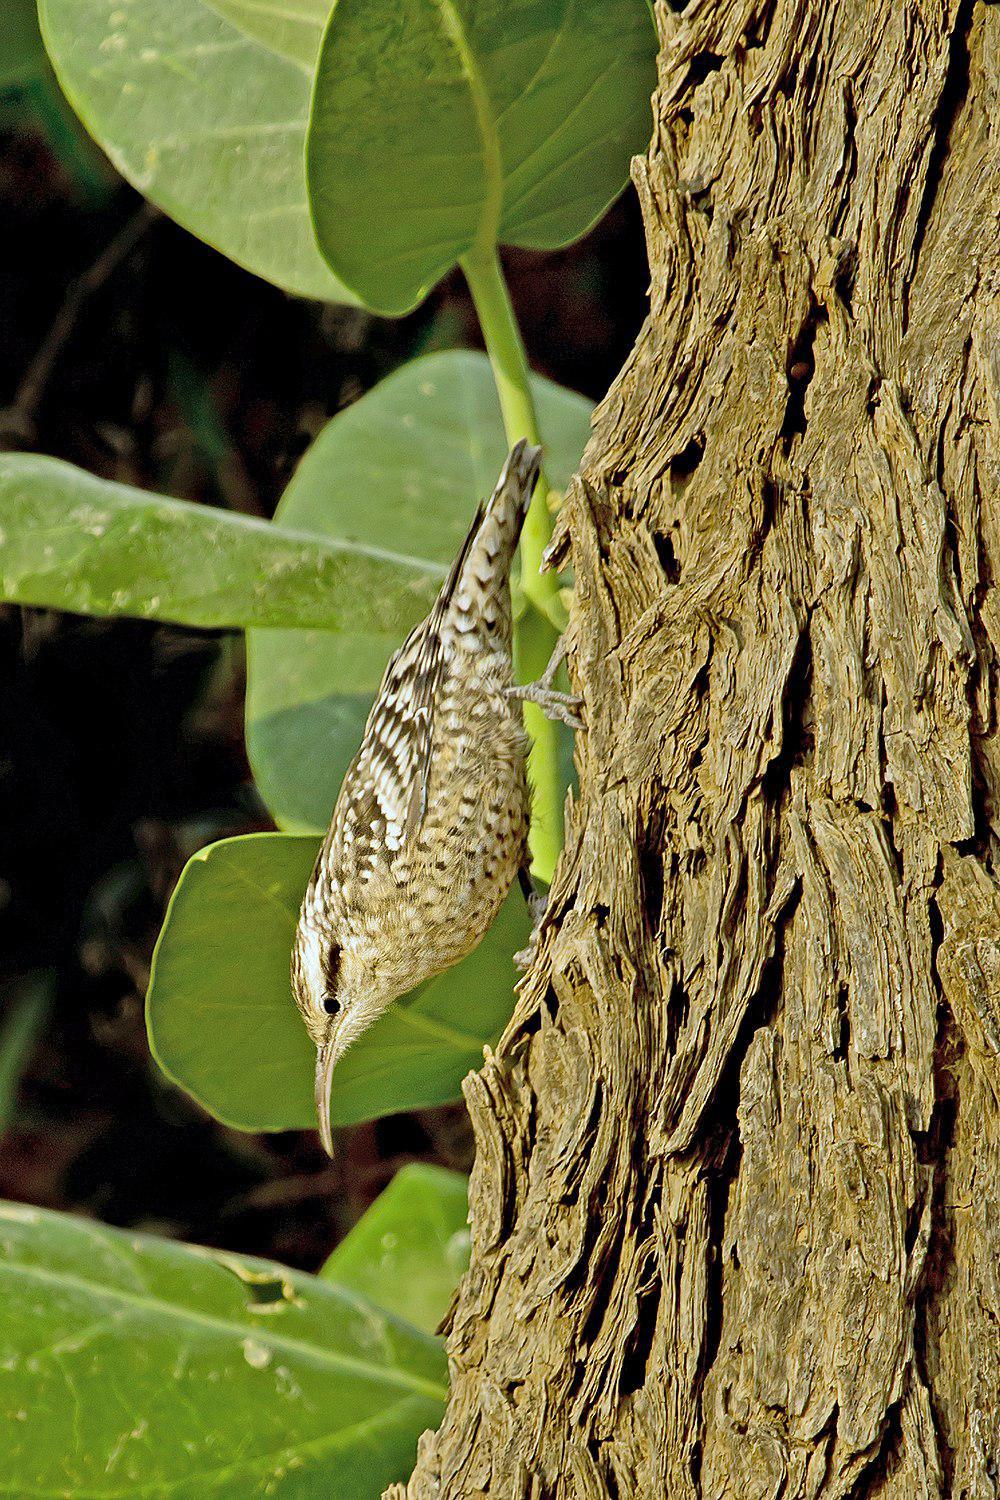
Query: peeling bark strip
[[736, 1208]]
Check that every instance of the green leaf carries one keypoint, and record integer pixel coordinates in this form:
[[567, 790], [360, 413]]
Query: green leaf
[[203, 120], [72, 541], [293, 30], [131, 1366], [22, 56], [220, 1014], [223, 1025], [440, 125], [410, 1248], [402, 467]]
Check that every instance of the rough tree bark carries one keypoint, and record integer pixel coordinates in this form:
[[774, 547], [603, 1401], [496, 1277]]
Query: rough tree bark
[[736, 1207]]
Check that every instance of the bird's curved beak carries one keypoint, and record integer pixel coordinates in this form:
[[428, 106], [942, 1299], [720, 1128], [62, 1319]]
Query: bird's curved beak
[[325, 1059]]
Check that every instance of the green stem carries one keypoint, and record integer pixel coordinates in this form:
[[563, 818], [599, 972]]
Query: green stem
[[544, 617], [510, 371]]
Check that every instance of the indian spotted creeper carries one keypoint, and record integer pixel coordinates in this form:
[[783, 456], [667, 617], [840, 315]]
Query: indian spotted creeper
[[431, 824]]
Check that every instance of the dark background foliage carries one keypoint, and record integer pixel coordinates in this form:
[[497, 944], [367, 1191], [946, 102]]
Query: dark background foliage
[[137, 352]]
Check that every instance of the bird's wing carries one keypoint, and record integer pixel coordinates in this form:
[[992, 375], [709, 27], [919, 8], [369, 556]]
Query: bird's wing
[[385, 789], [384, 796]]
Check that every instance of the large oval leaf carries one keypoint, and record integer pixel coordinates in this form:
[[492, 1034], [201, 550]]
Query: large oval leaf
[[401, 468], [294, 30], [69, 540], [223, 1025], [131, 1366], [410, 1248], [442, 125], [203, 120]]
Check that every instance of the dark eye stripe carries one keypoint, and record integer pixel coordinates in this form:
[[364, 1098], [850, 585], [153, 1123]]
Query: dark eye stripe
[[331, 968]]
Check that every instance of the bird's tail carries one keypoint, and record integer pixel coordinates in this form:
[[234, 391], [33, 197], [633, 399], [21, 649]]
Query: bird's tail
[[476, 593]]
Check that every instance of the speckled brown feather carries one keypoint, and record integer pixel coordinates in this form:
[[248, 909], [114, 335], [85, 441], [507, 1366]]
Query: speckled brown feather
[[431, 823]]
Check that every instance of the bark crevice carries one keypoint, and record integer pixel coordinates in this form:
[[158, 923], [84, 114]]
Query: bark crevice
[[953, 96]]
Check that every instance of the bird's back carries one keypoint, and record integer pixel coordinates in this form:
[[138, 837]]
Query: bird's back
[[432, 817]]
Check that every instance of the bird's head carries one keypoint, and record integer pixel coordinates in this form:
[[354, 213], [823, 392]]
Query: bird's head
[[338, 993]]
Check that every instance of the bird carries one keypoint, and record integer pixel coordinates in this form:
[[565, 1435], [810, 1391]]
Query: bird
[[430, 827]]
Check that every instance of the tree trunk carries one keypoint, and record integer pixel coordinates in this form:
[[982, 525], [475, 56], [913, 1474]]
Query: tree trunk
[[736, 1205]]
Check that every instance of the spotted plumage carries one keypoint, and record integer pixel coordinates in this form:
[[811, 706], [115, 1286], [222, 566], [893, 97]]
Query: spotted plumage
[[431, 824]]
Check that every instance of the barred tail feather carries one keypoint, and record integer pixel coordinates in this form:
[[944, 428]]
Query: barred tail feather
[[476, 593]]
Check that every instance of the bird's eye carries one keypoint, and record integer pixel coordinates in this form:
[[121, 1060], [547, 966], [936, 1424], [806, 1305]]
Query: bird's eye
[[330, 1003]]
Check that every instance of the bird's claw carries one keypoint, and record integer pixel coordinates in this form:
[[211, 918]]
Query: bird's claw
[[525, 957], [554, 705], [537, 903], [566, 707]]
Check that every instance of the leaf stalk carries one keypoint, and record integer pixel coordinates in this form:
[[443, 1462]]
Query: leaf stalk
[[538, 630]]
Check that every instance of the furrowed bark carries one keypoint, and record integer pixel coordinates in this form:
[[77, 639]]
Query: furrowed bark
[[736, 1205]]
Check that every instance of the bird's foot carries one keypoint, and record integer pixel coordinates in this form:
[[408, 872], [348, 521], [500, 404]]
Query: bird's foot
[[537, 904], [554, 705], [525, 957], [566, 707]]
